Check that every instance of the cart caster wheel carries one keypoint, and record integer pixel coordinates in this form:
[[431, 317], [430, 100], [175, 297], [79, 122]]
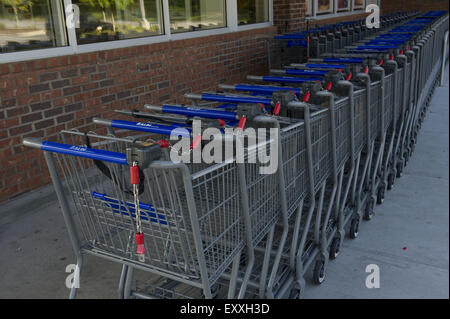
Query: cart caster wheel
[[406, 158], [399, 170], [354, 228], [319, 272], [368, 212], [295, 293], [335, 248], [391, 180], [380, 195]]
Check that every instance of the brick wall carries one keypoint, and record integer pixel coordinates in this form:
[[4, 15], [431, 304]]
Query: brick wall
[[289, 15], [389, 6], [39, 98]]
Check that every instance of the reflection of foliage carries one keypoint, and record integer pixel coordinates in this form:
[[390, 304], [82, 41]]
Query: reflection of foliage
[[123, 4], [19, 5], [103, 4]]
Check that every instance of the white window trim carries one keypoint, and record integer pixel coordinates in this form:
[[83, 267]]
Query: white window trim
[[74, 48], [310, 4]]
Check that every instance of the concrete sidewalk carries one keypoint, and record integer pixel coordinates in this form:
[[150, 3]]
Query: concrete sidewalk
[[408, 238]]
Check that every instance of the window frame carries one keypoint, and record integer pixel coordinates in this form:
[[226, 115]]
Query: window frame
[[74, 48], [334, 13]]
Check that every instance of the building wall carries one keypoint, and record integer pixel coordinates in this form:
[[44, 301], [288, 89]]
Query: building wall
[[390, 6], [39, 98], [289, 15]]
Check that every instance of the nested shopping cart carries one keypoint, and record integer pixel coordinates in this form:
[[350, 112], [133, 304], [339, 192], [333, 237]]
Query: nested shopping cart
[[224, 229]]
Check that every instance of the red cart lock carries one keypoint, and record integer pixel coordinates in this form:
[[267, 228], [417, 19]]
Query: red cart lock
[[277, 108], [134, 175], [329, 86], [241, 123], [163, 143], [348, 77], [140, 247], [306, 97]]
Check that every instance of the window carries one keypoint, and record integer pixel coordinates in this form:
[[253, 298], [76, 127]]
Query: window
[[193, 15], [323, 9], [252, 11], [358, 4], [107, 20], [308, 7], [343, 5], [38, 27], [28, 25], [324, 6]]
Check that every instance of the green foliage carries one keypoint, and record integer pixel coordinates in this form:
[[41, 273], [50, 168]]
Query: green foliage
[[104, 4], [21, 5]]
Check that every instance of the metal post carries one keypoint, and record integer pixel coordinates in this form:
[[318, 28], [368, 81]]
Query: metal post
[[444, 51]]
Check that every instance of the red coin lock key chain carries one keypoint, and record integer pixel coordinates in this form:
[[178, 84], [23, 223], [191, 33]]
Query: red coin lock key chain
[[140, 246]]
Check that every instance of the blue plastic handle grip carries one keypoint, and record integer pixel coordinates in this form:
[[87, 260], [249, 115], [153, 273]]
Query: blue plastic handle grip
[[325, 66], [290, 37], [264, 89], [283, 79], [305, 72], [356, 51], [343, 60], [235, 99], [383, 42], [376, 47], [204, 113], [174, 129], [106, 198], [85, 152], [119, 207], [296, 43]]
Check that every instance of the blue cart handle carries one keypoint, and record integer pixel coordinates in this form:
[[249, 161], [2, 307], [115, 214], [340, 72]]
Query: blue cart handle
[[305, 73], [325, 66], [194, 112], [74, 150], [343, 60], [376, 47], [282, 79], [173, 129], [264, 89]]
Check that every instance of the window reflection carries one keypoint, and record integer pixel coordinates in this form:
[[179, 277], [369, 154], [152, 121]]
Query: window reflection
[[31, 24], [343, 5], [359, 3], [193, 15], [107, 20], [324, 6], [252, 11]]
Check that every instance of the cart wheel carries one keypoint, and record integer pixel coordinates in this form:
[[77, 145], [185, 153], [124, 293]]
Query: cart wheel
[[380, 195], [399, 170], [319, 272], [354, 228], [406, 158], [335, 248], [391, 180], [295, 293], [368, 212]]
